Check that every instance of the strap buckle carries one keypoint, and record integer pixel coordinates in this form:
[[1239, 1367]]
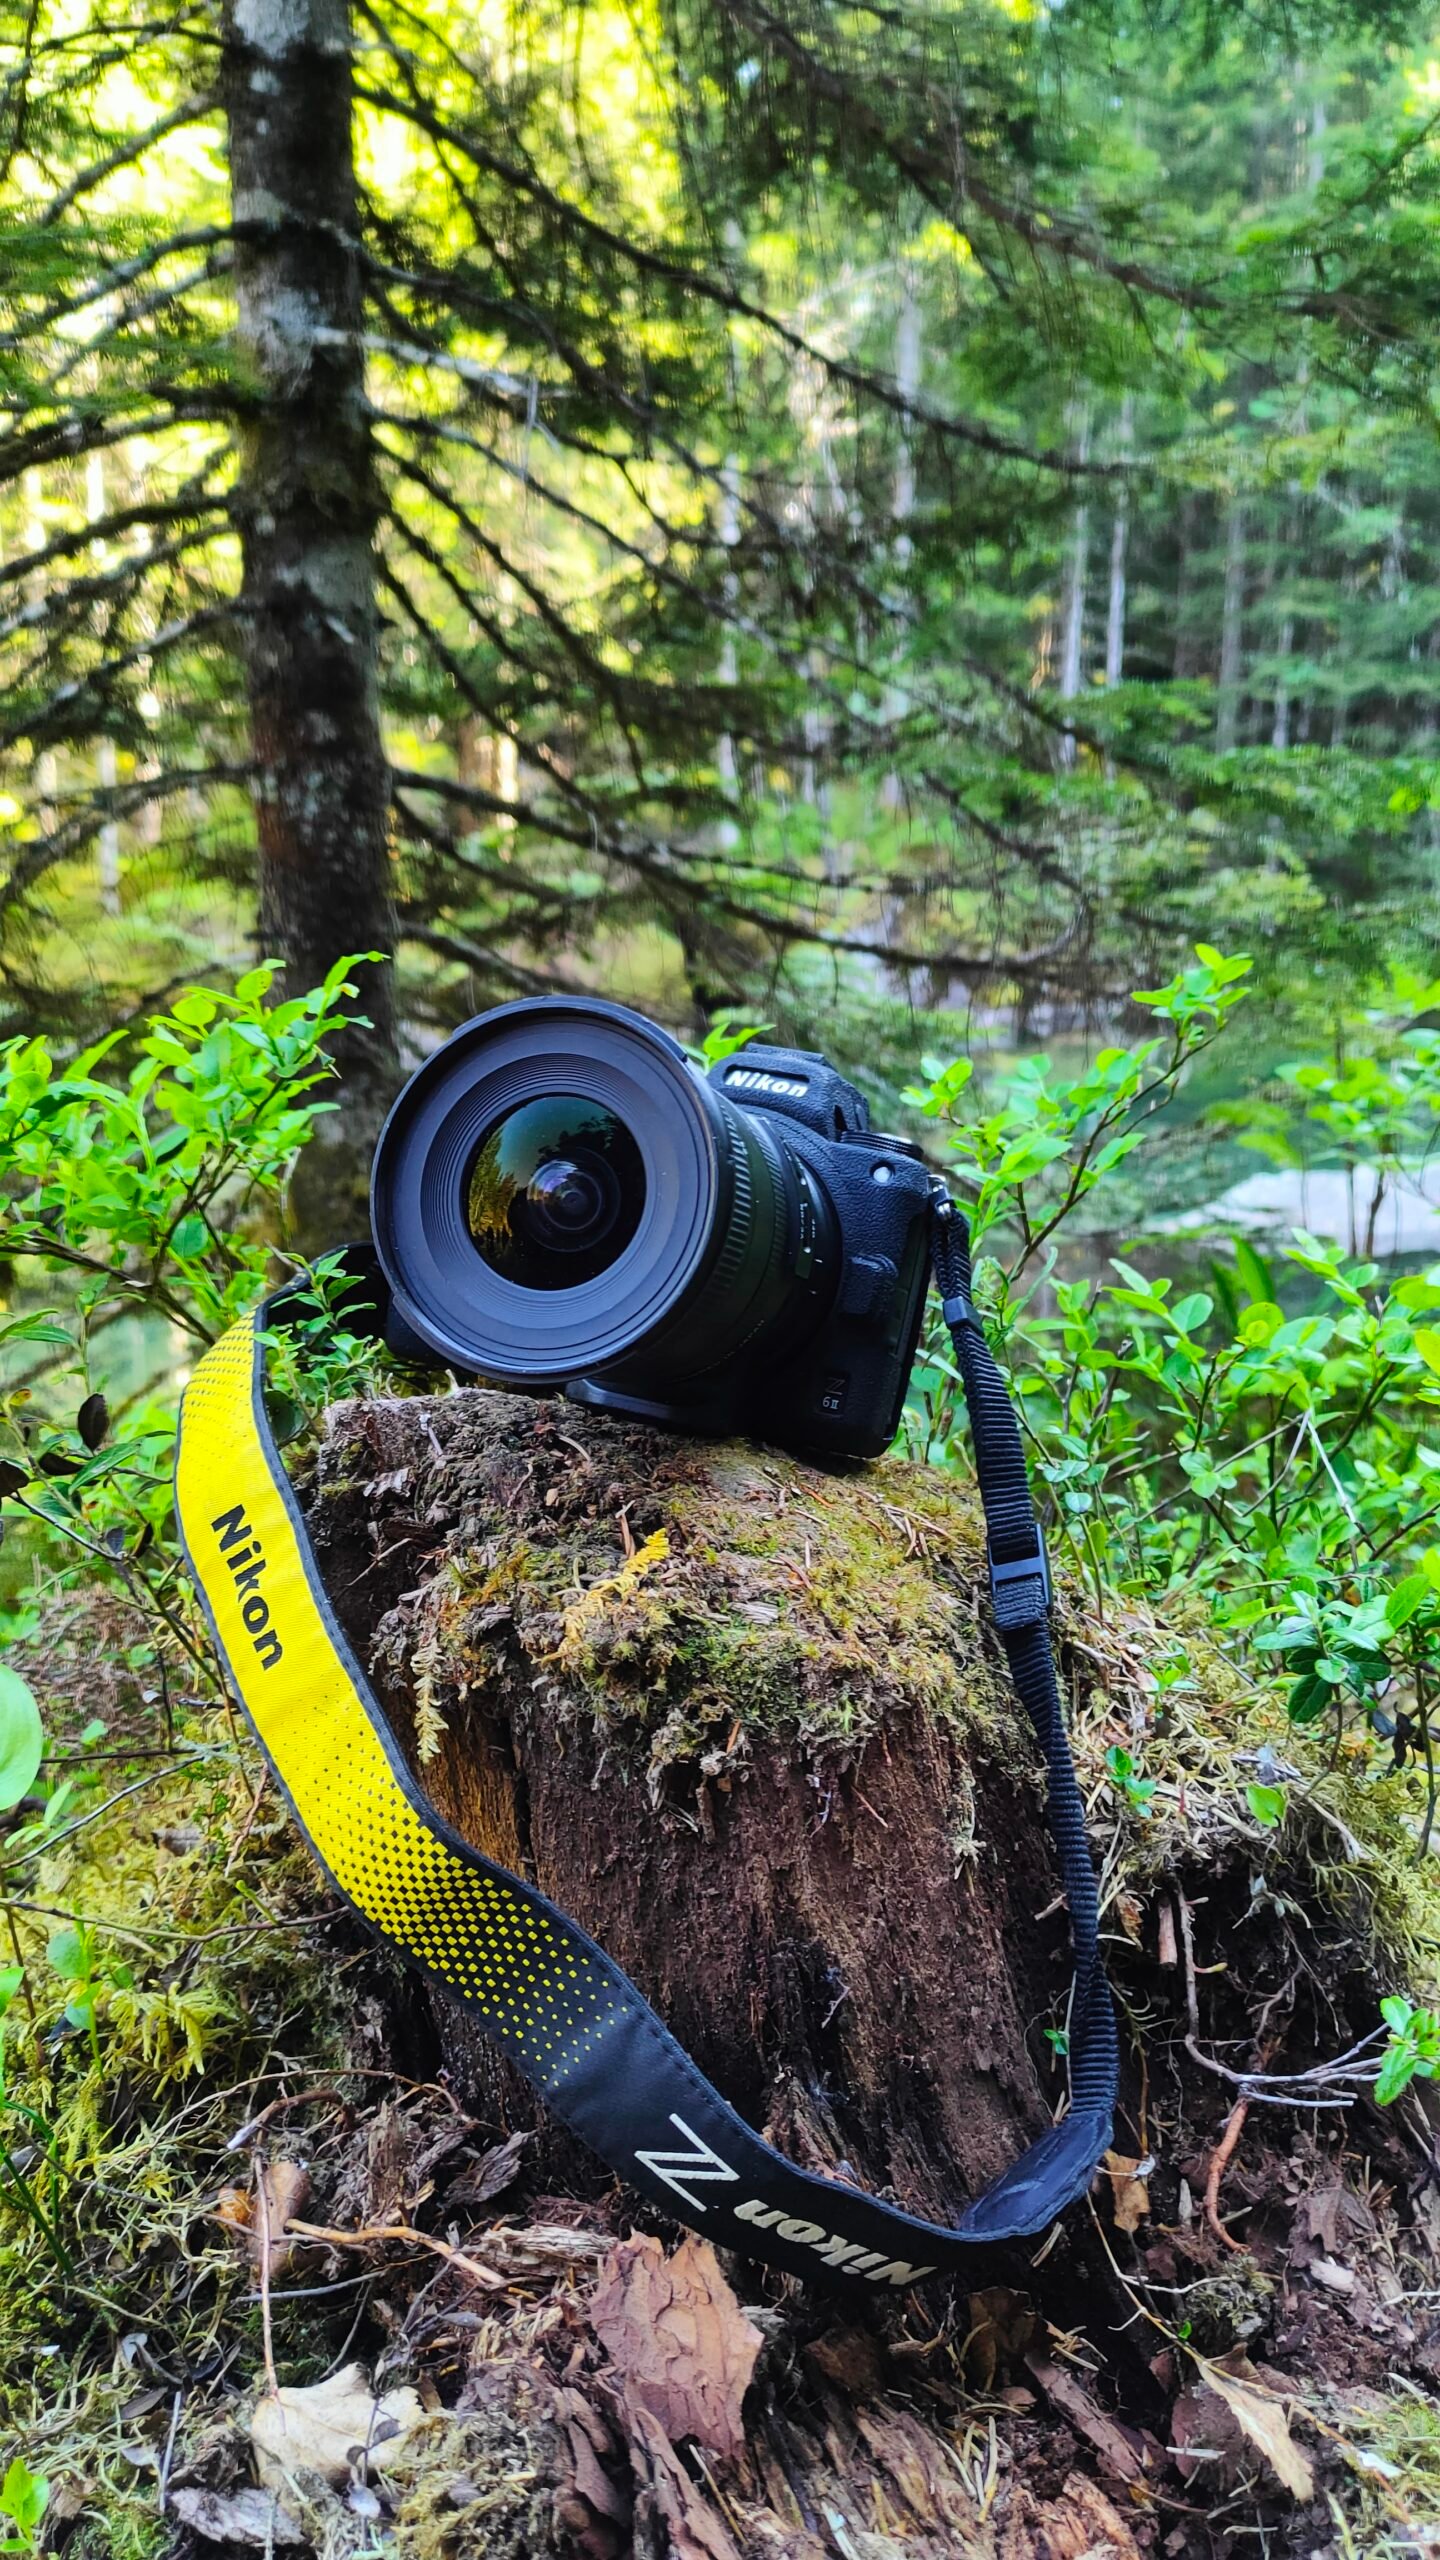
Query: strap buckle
[[1020, 1586]]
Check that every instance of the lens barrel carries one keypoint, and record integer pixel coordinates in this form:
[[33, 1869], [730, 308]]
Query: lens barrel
[[557, 1193]]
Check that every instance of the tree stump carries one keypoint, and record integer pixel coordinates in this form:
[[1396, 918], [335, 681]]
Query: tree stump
[[744, 1721]]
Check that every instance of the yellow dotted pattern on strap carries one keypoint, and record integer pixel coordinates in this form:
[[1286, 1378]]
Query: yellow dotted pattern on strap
[[539, 1988]]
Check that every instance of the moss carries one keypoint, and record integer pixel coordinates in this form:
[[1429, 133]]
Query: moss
[[476, 2488], [756, 1599]]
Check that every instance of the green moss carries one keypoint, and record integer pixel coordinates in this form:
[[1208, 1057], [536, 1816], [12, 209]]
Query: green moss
[[808, 1619]]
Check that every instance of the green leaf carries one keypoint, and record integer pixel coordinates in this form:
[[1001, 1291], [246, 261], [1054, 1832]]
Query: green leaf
[[1396, 2073], [24, 2495], [1308, 1699], [1191, 1311], [1406, 1598], [1267, 1804], [1427, 1343], [190, 1238], [69, 1952], [1253, 1275], [22, 1742], [11, 1977]]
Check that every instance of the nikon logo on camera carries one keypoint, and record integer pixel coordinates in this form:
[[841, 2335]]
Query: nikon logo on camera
[[759, 1080], [244, 1555]]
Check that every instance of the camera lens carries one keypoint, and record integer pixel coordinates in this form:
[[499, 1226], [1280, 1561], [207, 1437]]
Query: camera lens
[[556, 1192]]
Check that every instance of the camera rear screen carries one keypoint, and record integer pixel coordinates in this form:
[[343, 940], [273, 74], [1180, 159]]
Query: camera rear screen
[[555, 1192]]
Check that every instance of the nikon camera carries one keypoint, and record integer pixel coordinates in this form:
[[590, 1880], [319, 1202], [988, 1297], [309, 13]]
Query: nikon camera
[[561, 1198]]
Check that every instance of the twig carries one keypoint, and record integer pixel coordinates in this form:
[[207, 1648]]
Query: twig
[[1220, 2158], [263, 2196], [307, 2097], [169, 2454], [1337, 2083], [377, 2231]]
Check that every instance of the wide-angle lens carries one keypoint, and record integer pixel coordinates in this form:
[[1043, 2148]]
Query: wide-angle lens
[[555, 1192]]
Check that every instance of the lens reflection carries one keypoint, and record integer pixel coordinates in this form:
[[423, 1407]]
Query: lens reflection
[[555, 1193]]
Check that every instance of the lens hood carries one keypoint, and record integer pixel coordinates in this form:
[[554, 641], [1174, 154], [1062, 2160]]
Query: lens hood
[[444, 1290]]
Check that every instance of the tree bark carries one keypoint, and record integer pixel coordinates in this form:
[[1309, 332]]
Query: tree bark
[[1232, 629], [307, 505], [1072, 618]]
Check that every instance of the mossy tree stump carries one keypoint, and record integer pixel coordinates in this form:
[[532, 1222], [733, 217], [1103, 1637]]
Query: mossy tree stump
[[746, 1722], [750, 1725]]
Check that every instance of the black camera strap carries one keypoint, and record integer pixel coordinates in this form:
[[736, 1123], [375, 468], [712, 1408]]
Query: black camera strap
[[534, 1981]]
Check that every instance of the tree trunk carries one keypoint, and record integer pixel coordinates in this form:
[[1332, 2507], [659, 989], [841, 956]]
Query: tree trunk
[[1232, 630], [1072, 619], [307, 505], [747, 1723], [1119, 548]]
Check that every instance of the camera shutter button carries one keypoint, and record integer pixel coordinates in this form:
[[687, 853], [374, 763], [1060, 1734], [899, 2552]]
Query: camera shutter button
[[868, 1288]]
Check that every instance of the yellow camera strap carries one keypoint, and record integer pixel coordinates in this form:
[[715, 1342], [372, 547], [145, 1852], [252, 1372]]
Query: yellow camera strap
[[554, 2001]]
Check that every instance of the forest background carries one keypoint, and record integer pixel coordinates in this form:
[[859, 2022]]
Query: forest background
[[918, 527]]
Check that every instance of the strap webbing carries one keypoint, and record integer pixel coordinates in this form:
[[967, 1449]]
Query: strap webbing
[[556, 2003]]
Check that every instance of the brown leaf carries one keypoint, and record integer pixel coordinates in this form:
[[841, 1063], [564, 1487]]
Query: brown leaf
[[333, 2427], [1261, 2416], [254, 2518], [1129, 2191], [1335, 2219], [678, 2339], [284, 2186], [1001, 2326]]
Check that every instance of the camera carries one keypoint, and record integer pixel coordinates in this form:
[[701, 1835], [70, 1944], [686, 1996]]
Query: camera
[[561, 1197]]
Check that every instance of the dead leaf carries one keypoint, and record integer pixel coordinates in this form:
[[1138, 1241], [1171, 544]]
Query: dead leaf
[[331, 2427], [284, 2187], [1335, 2220], [678, 2339], [254, 2517], [1232, 2390], [848, 2357], [1001, 2327], [1129, 2189]]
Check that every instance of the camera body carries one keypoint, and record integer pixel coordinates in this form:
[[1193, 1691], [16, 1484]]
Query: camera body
[[562, 1198], [832, 1378]]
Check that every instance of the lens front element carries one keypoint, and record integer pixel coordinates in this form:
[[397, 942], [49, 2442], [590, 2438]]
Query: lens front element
[[555, 1193]]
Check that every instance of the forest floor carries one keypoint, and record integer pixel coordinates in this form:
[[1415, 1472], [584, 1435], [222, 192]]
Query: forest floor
[[286, 2292]]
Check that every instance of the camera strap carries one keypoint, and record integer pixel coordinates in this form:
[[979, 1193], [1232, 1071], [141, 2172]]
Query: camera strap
[[532, 1980]]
